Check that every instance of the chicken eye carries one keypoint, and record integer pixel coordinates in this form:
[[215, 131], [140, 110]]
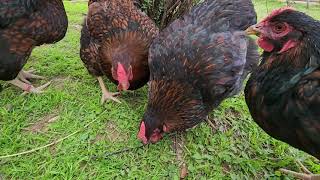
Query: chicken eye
[[279, 28]]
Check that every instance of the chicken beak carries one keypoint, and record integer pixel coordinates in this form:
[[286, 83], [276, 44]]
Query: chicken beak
[[253, 30]]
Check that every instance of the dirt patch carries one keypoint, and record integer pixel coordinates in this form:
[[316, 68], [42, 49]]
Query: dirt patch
[[99, 137], [60, 82], [226, 168], [53, 149], [43, 124], [83, 165], [217, 124], [111, 134], [224, 123], [233, 112], [112, 131], [9, 108]]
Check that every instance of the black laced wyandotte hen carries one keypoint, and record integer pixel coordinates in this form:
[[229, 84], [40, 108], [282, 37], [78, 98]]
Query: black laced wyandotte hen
[[115, 39], [25, 24], [283, 93], [198, 61]]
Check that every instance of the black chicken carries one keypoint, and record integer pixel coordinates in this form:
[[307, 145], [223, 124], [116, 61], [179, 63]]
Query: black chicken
[[283, 93], [198, 61], [25, 24]]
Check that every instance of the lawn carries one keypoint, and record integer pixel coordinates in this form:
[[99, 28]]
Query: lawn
[[236, 149]]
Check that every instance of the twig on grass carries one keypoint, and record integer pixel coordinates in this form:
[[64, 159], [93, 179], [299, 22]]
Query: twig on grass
[[54, 142], [117, 152]]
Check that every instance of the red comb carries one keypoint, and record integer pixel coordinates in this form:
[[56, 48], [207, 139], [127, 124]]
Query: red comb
[[277, 12], [121, 73]]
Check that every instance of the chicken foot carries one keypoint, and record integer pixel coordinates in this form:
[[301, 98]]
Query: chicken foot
[[25, 76], [28, 88], [22, 81], [306, 175], [105, 93]]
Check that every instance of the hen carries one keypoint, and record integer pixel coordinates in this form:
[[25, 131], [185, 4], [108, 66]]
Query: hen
[[114, 42], [198, 61], [283, 93], [25, 24]]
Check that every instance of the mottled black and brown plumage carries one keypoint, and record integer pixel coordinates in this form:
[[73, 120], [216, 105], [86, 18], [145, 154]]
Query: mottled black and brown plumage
[[198, 61], [283, 93], [114, 42], [165, 12], [25, 24]]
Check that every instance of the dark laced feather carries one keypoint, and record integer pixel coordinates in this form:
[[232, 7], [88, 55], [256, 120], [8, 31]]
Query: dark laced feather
[[117, 28], [198, 61], [24, 25], [176, 104], [11, 10]]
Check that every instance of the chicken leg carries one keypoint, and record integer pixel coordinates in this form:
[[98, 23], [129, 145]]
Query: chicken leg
[[22, 81], [306, 175], [105, 93]]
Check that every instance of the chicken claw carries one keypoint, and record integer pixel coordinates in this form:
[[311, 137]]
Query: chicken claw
[[105, 93], [25, 76], [29, 75], [37, 90], [28, 87], [306, 175]]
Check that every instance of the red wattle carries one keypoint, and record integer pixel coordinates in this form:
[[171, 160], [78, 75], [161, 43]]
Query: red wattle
[[265, 44], [121, 73], [288, 45], [142, 132]]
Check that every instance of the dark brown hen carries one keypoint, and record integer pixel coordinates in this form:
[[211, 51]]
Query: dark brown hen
[[25, 24], [195, 63], [114, 42], [283, 93]]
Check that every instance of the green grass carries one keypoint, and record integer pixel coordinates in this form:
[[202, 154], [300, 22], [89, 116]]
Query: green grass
[[238, 149]]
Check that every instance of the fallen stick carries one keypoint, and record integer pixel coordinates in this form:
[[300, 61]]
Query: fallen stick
[[53, 143], [117, 152], [178, 147]]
